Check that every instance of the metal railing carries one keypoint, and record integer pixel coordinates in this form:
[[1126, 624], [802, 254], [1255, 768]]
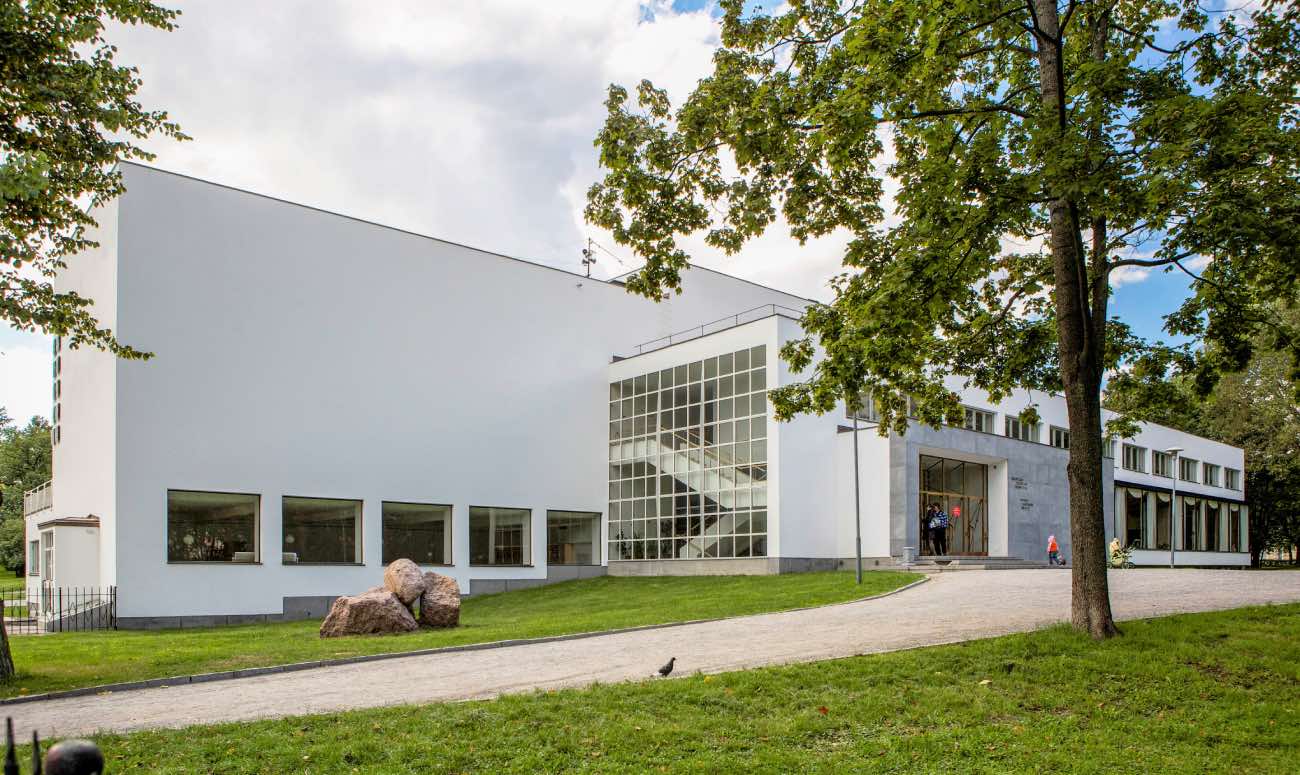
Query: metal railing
[[38, 499], [45, 609], [721, 324]]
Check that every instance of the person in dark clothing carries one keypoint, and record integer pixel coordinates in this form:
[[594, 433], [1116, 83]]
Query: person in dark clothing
[[939, 529]]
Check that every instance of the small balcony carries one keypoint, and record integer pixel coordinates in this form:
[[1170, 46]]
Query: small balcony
[[38, 499]]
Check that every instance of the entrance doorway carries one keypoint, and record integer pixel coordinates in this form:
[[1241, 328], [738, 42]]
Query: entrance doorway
[[961, 490]]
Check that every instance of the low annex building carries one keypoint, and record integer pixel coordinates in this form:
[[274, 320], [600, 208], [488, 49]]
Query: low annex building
[[327, 395]]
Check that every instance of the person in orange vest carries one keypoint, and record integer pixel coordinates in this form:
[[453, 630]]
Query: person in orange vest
[[1053, 551]]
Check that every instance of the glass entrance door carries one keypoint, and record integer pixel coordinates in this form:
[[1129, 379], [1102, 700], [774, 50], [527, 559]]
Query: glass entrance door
[[961, 490]]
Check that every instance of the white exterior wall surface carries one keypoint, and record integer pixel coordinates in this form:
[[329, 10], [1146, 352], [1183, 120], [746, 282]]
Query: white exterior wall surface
[[304, 353], [873, 468], [85, 457], [807, 475]]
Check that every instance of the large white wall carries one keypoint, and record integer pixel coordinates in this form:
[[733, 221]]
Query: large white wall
[[304, 353], [83, 461]]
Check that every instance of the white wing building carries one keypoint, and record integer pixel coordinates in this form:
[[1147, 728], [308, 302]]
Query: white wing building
[[328, 394]]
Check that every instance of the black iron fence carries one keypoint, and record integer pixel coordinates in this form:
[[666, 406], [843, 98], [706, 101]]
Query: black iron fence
[[37, 610]]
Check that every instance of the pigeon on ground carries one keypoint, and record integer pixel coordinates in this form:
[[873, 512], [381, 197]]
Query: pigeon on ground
[[668, 668]]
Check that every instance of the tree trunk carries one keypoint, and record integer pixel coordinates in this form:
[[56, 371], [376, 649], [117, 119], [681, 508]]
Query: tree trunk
[[1080, 323]]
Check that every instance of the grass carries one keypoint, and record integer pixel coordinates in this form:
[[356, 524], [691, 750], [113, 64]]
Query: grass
[[11, 584], [1194, 693], [68, 660]]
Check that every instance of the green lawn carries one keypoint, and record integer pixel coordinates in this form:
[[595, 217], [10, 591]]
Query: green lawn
[[67, 660], [1197, 693]]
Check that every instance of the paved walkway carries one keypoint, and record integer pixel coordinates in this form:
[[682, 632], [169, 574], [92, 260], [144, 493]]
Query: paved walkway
[[950, 607]]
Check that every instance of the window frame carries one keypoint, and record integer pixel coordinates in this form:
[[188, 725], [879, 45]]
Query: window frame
[[257, 526], [1211, 474], [360, 530], [449, 540], [1141, 453], [1232, 478], [34, 558], [1186, 464], [527, 534], [970, 412], [1054, 431], [1022, 426], [597, 541]]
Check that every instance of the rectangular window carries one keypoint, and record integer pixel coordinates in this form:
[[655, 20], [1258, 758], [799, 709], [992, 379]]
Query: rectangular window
[[1135, 519], [47, 556], [868, 413], [1021, 430], [212, 526], [1164, 518], [1135, 458], [1108, 449], [1187, 469], [572, 538], [33, 558], [1192, 531], [1162, 464], [1232, 478], [1234, 529], [500, 536], [1211, 473], [321, 530], [1060, 437], [977, 420], [1212, 526], [416, 531]]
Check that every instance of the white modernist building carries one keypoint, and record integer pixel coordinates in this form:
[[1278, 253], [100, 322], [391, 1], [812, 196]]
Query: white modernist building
[[327, 394]]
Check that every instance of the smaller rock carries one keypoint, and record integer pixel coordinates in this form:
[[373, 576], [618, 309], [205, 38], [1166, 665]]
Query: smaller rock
[[403, 578], [373, 612], [440, 603]]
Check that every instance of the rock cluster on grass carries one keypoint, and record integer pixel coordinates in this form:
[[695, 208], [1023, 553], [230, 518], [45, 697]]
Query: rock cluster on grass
[[388, 609]]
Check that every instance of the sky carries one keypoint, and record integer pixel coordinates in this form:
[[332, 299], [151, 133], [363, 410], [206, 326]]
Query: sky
[[472, 122]]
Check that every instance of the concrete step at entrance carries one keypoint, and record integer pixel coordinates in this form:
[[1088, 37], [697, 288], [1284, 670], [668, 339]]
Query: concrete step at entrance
[[942, 564]]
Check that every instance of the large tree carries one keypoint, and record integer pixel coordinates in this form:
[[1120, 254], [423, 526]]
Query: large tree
[[1037, 147], [68, 115], [25, 457]]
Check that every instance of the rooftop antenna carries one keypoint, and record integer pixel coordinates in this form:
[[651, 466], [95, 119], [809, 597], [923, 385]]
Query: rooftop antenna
[[588, 256]]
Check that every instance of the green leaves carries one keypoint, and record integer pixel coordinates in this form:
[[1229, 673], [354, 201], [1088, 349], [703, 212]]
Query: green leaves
[[1162, 148], [67, 116]]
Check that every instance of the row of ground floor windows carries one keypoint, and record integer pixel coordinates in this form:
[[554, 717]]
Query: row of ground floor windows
[[1204, 524], [224, 527]]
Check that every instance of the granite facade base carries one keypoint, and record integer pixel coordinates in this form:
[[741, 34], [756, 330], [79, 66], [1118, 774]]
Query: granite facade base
[[747, 566], [554, 575]]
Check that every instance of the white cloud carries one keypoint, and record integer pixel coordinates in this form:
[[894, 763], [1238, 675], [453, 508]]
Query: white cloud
[[1128, 275]]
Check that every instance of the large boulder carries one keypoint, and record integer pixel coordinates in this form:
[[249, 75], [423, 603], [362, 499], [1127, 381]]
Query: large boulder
[[403, 578], [440, 603], [373, 612]]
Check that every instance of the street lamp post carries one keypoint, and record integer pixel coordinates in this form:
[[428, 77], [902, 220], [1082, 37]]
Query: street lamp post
[[857, 497], [1174, 517]]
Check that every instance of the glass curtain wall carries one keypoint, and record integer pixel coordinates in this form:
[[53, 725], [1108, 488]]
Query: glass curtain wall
[[960, 489], [688, 460]]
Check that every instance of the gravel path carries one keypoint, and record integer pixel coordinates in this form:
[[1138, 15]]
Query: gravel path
[[950, 607]]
